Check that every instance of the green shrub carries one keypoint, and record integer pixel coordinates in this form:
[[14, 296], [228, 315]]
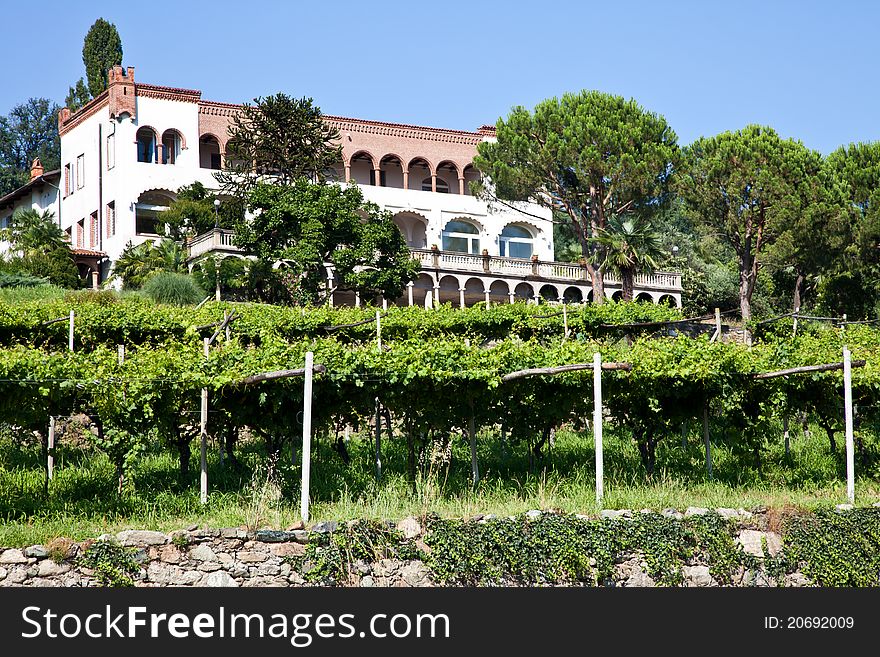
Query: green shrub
[[171, 288], [113, 564], [15, 296], [97, 297], [20, 279]]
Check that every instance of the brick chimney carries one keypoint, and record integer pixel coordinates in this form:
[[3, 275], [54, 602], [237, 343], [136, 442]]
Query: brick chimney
[[36, 169], [120, 88]]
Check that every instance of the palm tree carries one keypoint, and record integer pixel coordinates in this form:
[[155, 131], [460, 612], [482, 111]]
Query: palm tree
[[31, 232], [627, 246], [137, 263]]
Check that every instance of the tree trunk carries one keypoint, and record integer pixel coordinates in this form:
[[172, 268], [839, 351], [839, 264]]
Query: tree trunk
[[598, 285], [829, 429], [798, 283], [626, 281], [411, 457], [745, 297], [184, 453], [648, 452], [587, 248], [231, 438], [273, 448]]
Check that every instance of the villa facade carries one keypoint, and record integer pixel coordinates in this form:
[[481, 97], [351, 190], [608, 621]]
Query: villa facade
[[124, 155]]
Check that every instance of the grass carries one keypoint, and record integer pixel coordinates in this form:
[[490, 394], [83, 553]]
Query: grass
[[13, 295], [82, 501]]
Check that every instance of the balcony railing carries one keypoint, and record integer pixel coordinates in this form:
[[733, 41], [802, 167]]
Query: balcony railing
[[220, 240], [563, 271]]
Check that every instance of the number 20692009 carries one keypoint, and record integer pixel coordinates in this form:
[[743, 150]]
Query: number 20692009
[[809, 622]]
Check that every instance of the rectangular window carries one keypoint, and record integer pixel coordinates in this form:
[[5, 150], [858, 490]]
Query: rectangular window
[[146, 222], [67, 187], [80, 233], [111, 150], [69, 233], [110, 219], [215, 161], [93, 230], [80, 171]]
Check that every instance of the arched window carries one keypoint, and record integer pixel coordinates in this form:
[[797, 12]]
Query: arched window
[[146, 145], [170, 146], [461, 237], [148, 211], [442, 185], [209, 152], [515, 242]]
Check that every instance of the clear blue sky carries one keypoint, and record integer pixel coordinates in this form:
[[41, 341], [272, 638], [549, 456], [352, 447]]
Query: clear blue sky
[[807, 68]]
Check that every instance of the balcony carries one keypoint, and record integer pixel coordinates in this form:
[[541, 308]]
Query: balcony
[[566, 272], [467, 278], [218, 240]]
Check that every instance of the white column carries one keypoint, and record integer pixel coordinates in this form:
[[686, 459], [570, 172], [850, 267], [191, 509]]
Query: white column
[[848, 415], [597, 425], [461, 297], [409, 292], [203, 431], [307, 437]]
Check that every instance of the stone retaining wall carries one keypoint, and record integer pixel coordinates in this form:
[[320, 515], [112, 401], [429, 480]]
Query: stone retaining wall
[[236, 557]]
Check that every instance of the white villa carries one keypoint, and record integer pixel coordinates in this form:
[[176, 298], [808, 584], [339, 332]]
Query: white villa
[[126, 152]]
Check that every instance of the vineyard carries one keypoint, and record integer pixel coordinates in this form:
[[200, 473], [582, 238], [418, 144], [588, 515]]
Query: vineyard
[[130, 389]]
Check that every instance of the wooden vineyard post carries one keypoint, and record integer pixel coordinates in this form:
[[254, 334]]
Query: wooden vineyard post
[[50, 459], [565, 322], [120, 354], [794, 323], [307, 436], [378, 442], [379, 330], [786, 435], [203, 433], [848, 416], [70, 333], [597, 425], [685, 427], [472, 435], [706, 439], [717, 334]]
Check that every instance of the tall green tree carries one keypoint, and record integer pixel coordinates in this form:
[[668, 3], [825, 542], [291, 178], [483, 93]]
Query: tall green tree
[[812, 239], [858, 168], [39, 248], [629, 245], [743, 185], [193, 213], [28, 132], [589, 156], [278, 139], [303, 227], [77, 96], [102, 50]]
